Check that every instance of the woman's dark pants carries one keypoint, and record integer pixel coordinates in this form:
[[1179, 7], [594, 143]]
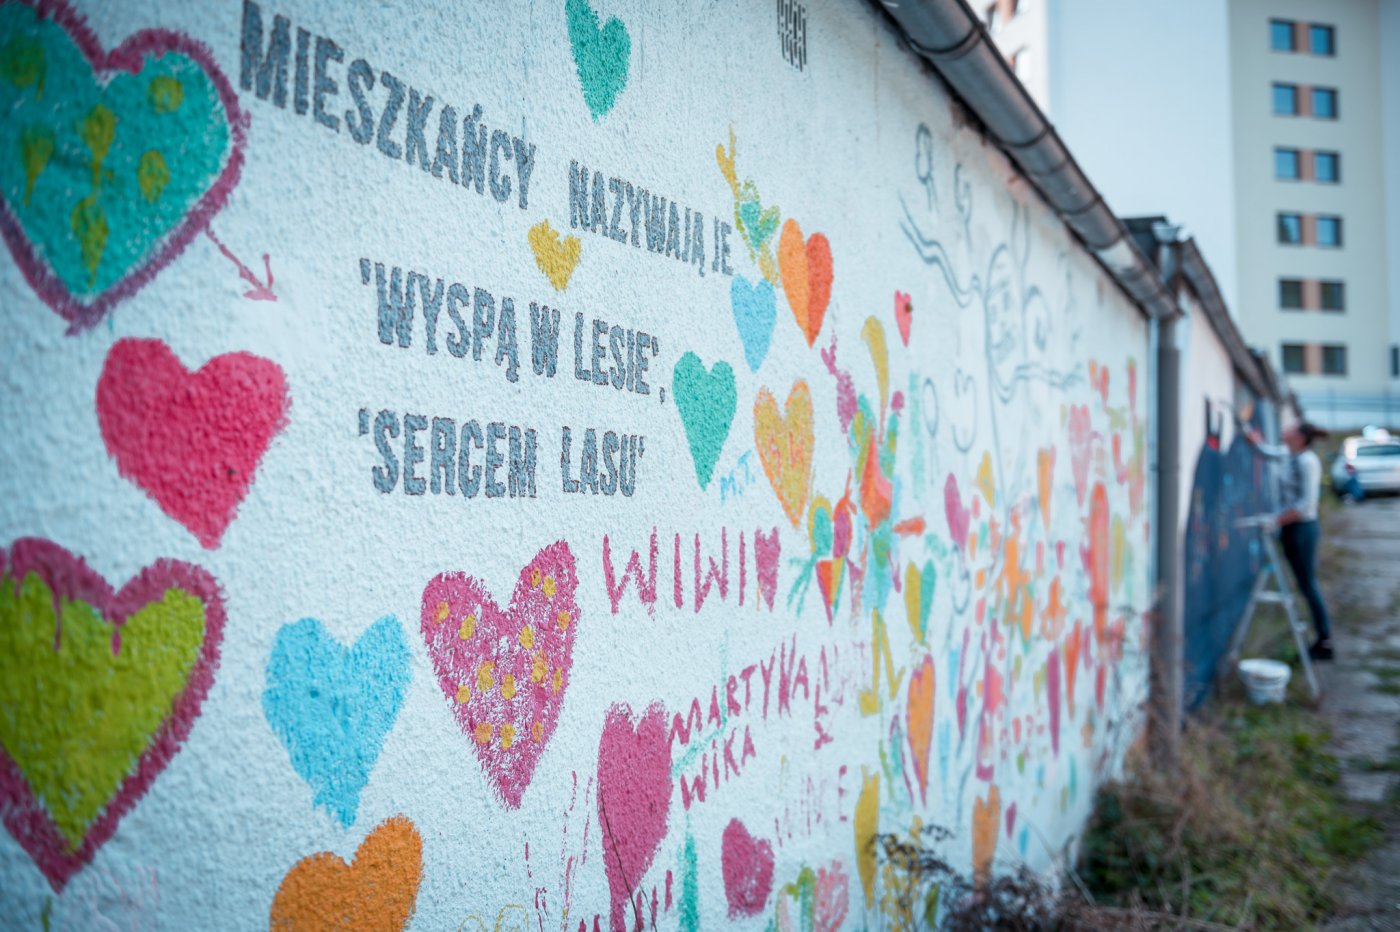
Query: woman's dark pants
[[1300, 541]]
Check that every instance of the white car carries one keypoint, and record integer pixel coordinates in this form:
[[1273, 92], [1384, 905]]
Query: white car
[[1372, 460]]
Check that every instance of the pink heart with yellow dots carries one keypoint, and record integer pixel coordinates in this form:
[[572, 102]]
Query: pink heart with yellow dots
[[505, 672]]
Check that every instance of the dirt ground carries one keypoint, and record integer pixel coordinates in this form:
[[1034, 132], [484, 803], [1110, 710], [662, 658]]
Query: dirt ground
[[1361, 701]]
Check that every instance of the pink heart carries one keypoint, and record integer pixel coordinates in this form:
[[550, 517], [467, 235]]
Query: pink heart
[[748, 870], [191, 440], [1081, 435], [956, 511], [505, 672], [634, 799], [903, 314]]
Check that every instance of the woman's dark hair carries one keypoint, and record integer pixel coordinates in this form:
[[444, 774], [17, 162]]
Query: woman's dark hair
[[1311, 432]]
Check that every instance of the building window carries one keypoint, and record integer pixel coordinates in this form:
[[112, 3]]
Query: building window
[[1286, 99], [1286, 164], [1290, 294], [1281, 35], [1334, 359], [1290, 228], [1293, 358], [1327, 167], [1320, 40], [1334, 296], [1395, 362], [1324, 103], [1329, 231]]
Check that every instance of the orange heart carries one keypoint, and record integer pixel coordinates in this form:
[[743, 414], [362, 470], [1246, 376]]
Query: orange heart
[[920, 715], [806, 273], [375, 891], [785, 443], [986, 818]]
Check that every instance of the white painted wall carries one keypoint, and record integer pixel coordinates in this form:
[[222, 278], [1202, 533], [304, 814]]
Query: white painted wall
[[1003, 480]]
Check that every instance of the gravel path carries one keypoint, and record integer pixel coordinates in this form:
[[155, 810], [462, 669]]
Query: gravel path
[[1361, 702]]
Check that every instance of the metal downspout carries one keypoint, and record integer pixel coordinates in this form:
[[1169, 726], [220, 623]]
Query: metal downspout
[[1167, 704]]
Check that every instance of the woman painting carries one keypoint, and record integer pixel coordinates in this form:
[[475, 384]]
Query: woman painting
[[1299, 532]]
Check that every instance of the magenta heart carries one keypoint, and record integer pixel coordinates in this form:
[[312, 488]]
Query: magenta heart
[[505, 672], [71, 582], [634, 799], [191, 440], [957, 512], [748, 870]]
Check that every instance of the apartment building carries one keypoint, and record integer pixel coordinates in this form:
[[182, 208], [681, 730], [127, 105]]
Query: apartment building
[[1271, 128]]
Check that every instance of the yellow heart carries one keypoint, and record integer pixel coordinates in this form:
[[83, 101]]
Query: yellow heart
[[556, 259], [785, 442]]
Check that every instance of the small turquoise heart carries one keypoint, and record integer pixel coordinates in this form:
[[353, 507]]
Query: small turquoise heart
[[759, 224], [602, 55], [706, 401], [110, 162], [332, 707], [755, 311]]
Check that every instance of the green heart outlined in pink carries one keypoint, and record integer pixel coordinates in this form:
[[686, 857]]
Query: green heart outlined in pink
[[98, 689]]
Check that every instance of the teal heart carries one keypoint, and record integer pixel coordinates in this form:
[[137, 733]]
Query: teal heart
[[105, 158], [602, 55], [706, 401], [821, 529], [759, 224]]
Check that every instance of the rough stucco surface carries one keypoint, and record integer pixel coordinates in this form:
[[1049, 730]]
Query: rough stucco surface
[[331, 589]]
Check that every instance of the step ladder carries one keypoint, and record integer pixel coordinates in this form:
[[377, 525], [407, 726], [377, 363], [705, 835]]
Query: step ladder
[[1272, 588]]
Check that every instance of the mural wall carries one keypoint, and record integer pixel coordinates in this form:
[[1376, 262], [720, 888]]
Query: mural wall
[[575, 465]]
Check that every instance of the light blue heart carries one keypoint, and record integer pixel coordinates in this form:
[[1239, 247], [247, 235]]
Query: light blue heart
[[332, 707], [755, 311]]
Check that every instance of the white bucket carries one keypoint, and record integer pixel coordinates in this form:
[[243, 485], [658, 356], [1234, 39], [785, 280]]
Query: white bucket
[[1265, 680]]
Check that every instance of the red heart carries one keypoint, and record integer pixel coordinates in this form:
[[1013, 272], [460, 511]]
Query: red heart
[[634, 799], [191, 440], [505, 672], [748, 870], [903, 314]]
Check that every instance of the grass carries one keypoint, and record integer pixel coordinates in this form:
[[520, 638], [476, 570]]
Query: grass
[[1255, 829], [1251, 833]]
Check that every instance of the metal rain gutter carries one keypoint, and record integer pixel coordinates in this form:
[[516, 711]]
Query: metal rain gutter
[[951, 37], [1202, 282]]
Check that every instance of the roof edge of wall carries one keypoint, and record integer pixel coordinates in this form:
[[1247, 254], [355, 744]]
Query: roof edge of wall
[[948, 35]]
